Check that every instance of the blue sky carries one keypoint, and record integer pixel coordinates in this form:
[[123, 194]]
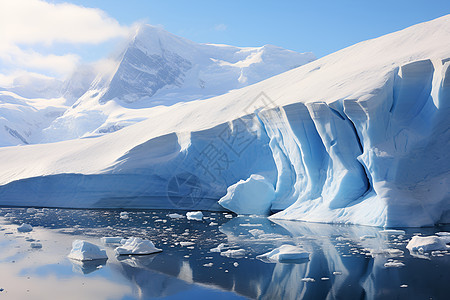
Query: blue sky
[[51, 37], [322, 27]]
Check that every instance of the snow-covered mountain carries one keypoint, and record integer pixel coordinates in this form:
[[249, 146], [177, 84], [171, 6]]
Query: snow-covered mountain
[[159, 68], [359, 136]]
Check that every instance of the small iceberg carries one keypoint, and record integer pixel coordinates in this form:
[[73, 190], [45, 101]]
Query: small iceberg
[[237, 253], [186, 244], [394, 264], [285, 254], [137, 246], [84, 251], [426, 243], [31, 210], [221, 247], [124, 215], [175, 216], [25, 228], [194, 215]]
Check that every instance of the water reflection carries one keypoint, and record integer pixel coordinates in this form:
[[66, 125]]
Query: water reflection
[[86, 267], [346, 262]]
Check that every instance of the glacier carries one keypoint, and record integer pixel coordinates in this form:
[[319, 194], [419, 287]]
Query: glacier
[[357, 137]]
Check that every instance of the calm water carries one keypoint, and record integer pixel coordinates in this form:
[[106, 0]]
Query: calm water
[[346, 262]]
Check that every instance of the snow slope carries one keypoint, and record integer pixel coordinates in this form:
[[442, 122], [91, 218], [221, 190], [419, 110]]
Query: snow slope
[[22, 119], [360, 136], [159, 68]]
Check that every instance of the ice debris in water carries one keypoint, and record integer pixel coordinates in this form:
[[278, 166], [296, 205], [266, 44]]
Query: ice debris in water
[[394, 264], [185, 244], [175, 216], [426, 243], [111, 239], [194, 215], [443, 233], [307, 279], [25, 228], [234, 253], [83, 251], [285, 254], [31, 210], [124, 215], [221, 247], [137, 246]]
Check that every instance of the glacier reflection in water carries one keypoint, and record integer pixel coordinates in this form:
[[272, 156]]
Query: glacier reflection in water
[[346, 262]]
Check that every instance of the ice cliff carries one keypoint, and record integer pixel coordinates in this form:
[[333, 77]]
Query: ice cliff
[[360, 136]]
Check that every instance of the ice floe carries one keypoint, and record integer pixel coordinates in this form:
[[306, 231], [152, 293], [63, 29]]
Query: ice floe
[[426, 243], [194, 215], [137, 246], [285, 254], [83, 251]]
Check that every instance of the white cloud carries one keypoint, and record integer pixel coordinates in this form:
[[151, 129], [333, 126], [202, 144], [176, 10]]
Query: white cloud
[[36, 21], [28, 25], [15, 58]]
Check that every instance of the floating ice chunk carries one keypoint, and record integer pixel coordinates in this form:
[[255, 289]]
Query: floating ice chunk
[[111, 239], [175, 216], [235, 264], [393, 231], [194, 215], [234, 253], [185, 244], [404, 286], [325, 278], [285, 254], [25, 228], [228, 216], [219, 248], [137, 246], [252, 196], [445, 236], [337, 273], [36, 245], [426, 243], [82, 251], [208, 265], [31, 210], [124, 215], [443, 233], [394, 264], [307, 279], [213, 224]]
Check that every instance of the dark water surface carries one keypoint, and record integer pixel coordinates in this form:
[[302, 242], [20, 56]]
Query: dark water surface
[[346, 262]]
